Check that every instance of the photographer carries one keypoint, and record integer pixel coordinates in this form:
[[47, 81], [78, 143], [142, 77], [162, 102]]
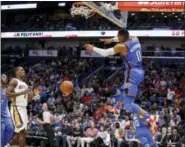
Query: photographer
[[45, 119]]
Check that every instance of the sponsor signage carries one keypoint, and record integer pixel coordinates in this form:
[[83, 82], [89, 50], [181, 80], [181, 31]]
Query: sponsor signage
[[30, 34], [152, 6], [76, 34], [43, 53]]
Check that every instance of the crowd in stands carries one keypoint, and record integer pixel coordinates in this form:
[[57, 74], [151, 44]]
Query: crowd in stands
[[75, 50], [87, 115], [47, 22], [63, 21]]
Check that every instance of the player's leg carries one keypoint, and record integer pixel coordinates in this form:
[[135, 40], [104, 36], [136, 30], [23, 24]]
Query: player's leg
[[9, 130], [141, 135], [3, 126], [150, 138], [144, 141], [14, 141], [22, 138], [133, 107], [19, 117], [130, 90], [19, 139], [24, 120]]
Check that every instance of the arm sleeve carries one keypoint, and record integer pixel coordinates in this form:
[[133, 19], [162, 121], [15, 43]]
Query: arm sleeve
[[104, 53]]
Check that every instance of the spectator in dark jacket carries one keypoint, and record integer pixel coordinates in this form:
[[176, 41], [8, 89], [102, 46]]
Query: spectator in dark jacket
[[64, 132], [182, 142], [175, 137], [165, 139], [77, 133]]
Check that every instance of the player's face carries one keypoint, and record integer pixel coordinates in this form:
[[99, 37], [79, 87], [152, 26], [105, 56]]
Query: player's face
[[21, 72], [4, 80], [121, 38]]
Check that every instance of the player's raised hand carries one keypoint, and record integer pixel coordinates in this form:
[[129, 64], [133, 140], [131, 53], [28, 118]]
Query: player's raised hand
[[107, 41], [89, 48]]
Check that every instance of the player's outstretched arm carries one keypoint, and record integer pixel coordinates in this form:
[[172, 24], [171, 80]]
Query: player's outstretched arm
[[10, 90], [108, 52], [110, 40], [119, 48]]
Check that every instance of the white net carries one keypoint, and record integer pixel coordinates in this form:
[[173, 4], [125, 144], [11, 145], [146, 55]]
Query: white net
[[83, 11], [124, 17]]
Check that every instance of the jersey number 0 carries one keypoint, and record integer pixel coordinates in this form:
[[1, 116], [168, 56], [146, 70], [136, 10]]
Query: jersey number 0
[[138, 54]]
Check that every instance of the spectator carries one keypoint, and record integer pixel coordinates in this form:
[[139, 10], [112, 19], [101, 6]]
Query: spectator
[[119, 134], [125, 124], [90, 135], [170, 96], [77, 133], [103, 138], [65, 131], [182, 142], [175, 138], [165, 140]]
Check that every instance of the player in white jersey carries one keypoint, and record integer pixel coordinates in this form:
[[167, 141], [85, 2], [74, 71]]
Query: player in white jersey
[[18, 91]]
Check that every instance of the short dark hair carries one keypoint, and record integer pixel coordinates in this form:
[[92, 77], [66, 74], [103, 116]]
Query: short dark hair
[[124, 32]]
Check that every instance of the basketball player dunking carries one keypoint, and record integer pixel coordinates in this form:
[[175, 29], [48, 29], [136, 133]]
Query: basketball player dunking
[[130, 49], [18, 91]]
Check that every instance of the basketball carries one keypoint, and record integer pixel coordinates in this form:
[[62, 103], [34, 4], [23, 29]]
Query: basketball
[[66, 87]]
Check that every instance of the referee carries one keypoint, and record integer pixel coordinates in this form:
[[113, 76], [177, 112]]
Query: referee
[[44, 118]]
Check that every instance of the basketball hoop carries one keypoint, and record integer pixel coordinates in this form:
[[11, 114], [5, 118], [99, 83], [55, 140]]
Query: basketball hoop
[[114, 7], [79, 8]]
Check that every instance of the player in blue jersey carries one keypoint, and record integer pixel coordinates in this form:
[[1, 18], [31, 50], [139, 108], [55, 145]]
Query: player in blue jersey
[[142, 131], [130, 49], [7, 128]]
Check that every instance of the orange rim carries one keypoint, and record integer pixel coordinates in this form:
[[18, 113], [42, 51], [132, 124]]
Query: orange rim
[[79, 4]]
